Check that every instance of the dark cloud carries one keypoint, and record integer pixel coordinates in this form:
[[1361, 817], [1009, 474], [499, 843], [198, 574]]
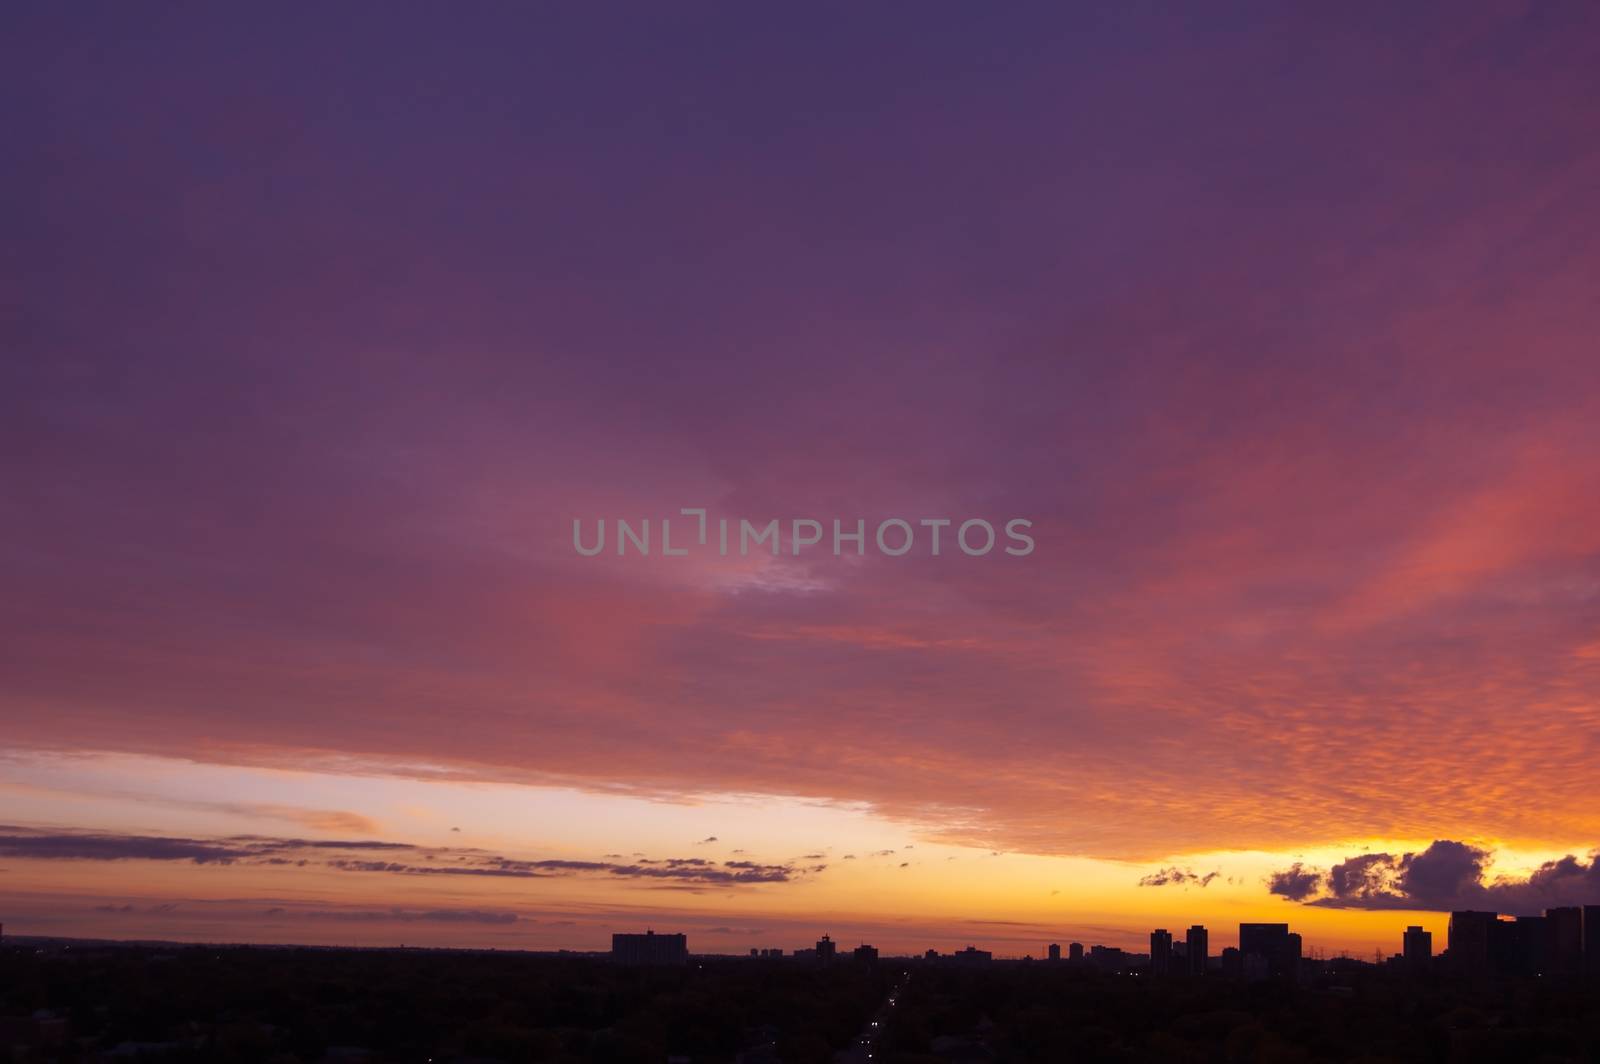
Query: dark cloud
[[163, 907], [1447, 875], [93, 846], [249, 849], [1175, 876], [735, 872], [494, 871], [1297, 882], [436, 916], [74, 847]]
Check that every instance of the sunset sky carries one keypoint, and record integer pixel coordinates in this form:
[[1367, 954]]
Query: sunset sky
[[321, 325]]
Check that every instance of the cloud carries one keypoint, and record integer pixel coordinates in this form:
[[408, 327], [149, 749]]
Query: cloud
[[1297, 882], [1355, 558], [158, 909], [1447, 875], [1172, 876], [435, 916], [335, 820], [88, 846], [353, 856]]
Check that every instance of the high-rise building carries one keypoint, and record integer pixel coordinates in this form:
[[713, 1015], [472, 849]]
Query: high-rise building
[[1075, 951], [1417, 948], [1160, 951], [1564, 931], [1055, 951], [827, 949], [649, 948], [1110, 958], [1468, 940], [1197, 944], [866, 954], [1520, 946], [1591, 939], [1278, 949]]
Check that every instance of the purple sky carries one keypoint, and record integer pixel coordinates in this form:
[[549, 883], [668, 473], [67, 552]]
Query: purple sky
[[322, 324]]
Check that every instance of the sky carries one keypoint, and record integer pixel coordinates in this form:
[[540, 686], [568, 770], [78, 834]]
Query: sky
[[321, 329]]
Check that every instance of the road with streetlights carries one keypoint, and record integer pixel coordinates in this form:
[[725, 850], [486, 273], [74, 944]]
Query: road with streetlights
[[866, 1046]]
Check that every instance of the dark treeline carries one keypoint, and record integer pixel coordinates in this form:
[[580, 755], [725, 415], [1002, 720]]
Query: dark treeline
[[252, 1004], [95, 1002], [1044, 1012]]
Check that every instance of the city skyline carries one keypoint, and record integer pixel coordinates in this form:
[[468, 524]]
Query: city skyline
[[329, 338]]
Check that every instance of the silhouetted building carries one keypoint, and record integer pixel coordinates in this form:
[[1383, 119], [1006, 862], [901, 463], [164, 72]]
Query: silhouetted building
[[931, 955], [1533, 945], [972, 956], [1110, 958], [1468, 939], [827, 950], [649, 948], [1055, 951], [1416, 947], [1519, 947], [1160, 952], [1232, 963], [1564, 948], [1277, 947], [1197, 945], [865, 954], [1591, 939], [1075, 951]]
